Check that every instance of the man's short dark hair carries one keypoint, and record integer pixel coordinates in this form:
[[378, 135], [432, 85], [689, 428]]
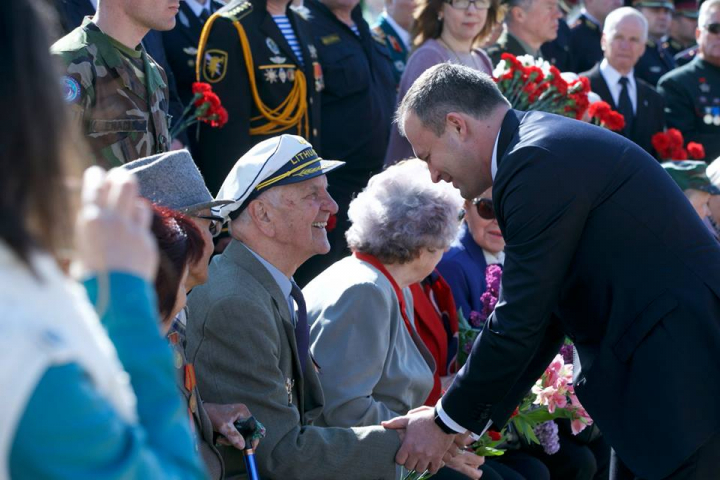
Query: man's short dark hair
[[447, 88]]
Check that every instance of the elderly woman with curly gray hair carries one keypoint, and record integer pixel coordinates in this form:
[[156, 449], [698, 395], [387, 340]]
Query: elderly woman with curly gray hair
[[374, 364]]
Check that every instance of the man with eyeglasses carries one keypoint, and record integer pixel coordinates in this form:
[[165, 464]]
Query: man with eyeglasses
[[173, 180], [530, 23], [602, 247], [692, 92]]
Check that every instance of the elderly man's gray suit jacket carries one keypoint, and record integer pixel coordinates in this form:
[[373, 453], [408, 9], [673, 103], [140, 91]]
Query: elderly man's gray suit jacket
[[240, 338]]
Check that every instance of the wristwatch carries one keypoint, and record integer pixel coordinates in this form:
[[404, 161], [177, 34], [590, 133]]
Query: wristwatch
[[443, 426]]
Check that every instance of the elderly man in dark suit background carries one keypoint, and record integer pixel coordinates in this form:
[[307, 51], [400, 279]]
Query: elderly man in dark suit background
[[602, 246], [623, 43], [244, 337]]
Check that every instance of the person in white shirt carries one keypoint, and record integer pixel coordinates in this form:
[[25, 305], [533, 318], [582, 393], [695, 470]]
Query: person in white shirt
[[623, 43]]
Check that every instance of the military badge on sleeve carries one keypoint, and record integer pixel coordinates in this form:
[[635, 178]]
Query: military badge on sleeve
[[215, 65], [71, 89]]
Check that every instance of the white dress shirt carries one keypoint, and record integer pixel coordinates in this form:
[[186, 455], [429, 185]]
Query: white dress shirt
[[493, 163], [198, 8], [283, 282], [612, 78]]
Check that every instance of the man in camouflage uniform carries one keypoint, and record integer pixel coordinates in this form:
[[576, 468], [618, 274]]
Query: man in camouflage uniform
[[118, 93]]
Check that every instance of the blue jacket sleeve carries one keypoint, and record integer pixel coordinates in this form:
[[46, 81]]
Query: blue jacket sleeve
[[69, 430], [454, 275]]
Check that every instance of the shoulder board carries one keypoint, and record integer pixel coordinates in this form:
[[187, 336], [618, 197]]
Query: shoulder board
[[236, 10], [650, 43], [590, 24], [687, 54]]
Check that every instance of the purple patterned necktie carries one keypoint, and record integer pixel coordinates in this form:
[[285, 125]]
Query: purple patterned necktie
[[302, 331]]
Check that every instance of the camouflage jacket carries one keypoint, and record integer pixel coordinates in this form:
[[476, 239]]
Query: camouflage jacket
[[117, 94]]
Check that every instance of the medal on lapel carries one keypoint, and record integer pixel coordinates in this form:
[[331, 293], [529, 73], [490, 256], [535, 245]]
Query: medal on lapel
[[272, 46], [289, 384], [318, 75]]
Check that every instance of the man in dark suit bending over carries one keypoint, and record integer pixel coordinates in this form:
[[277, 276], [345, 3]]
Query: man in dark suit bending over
[[602, 246], [623, 43]]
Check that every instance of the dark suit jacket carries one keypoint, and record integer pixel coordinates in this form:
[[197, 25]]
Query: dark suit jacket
[[650, 113], [602, 246]]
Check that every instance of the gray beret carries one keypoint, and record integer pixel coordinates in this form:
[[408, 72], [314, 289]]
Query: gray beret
[[173, 180]]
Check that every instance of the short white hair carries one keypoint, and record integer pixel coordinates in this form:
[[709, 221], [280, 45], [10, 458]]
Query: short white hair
[[705, 11], [619, 14], [401, 212]]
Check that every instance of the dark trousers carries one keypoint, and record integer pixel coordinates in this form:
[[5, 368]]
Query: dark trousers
[[576, 459], [514, 466], [704, 464]]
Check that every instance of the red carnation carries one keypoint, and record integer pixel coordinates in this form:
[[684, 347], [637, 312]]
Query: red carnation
[[201, 87], [599, 109], [539, 76], [212, 99], [494, 436], [661, 143], [679, 154], [676, 138], [331, 223], [585, 84], [696, 150], [205, 107], [220, 117], [614, 121]]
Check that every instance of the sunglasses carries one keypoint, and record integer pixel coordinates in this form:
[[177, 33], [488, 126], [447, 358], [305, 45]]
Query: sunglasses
[[484, 207], [713, 28], [216, 224]]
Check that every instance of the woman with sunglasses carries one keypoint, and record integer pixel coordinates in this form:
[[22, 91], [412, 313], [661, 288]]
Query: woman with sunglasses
[[445, 31], [479, 244]]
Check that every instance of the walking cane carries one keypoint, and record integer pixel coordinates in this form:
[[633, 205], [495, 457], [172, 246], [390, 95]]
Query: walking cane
[[247, 429]]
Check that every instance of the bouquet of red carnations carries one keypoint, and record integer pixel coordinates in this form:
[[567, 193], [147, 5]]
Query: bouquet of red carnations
[[531, 84], [669, 146], [204, 107]]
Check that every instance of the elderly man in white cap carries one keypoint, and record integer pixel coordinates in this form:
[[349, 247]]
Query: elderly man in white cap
[[248, 336], [173, 180]]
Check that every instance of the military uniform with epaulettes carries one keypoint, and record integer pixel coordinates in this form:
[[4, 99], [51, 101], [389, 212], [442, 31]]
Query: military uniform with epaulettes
[[265, 88], [654, 63]]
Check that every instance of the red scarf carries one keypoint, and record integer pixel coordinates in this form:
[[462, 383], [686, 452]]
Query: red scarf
[[367, 258]]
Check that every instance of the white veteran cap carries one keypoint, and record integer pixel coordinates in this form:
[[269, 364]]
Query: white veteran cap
[[276, 161]]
